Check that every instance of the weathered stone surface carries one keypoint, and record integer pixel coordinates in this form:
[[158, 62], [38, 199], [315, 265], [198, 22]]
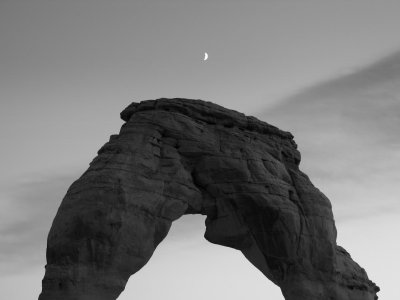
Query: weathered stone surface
[[180, 156]]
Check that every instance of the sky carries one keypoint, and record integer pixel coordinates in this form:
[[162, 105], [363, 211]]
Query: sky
[[327, 71]]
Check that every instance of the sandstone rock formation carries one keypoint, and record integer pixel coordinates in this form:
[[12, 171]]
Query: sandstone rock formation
[[178, 156]]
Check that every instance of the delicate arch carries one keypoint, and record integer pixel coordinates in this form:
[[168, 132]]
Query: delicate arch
[[178, 156]]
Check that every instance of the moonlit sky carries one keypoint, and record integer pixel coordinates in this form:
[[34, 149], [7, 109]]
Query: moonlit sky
[[328, 71]]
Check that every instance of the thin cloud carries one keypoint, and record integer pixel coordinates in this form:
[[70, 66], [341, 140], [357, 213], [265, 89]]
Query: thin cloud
[[27, 212], [347, 131]]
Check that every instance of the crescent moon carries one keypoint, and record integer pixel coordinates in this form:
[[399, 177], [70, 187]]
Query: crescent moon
[[205, 55]]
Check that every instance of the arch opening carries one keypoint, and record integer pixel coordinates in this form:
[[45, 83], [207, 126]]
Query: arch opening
[[187, 266]]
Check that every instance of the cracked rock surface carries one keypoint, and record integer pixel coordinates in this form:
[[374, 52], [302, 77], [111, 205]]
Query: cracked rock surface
[[180, 156]]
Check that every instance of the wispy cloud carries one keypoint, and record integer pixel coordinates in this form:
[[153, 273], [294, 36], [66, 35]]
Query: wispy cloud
[[27, 210], [347, 129]]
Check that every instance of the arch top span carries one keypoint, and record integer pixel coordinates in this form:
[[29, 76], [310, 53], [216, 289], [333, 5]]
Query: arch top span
[[179, 156]]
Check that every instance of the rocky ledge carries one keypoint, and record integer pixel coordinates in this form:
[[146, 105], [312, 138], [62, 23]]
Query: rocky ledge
[[180, 156]]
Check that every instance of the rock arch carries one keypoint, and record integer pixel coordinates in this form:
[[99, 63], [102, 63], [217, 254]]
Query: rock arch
[[179, 156]]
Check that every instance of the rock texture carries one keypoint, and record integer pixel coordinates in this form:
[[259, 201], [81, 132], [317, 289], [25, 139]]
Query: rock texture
[[178, 156]]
